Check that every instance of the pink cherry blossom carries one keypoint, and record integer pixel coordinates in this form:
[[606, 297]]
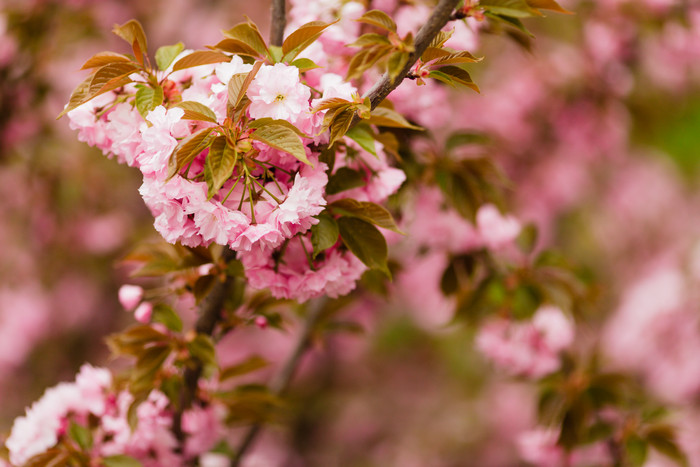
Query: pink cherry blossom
[[276, 92]]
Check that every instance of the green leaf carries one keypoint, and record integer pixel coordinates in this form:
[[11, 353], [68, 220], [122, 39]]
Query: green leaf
[[148, 98], [196, 111], [440, 39], [366, 242], [188, 149], [282, 138], [344, 179], [165, 314], [435, 74], [135, 339], [147, 366], [366, 58], [514, 22], [397, 61], [120, 460], [304, 64], [548, 5], [383, 116], [104, 58], [132, 416], [455, 58], [261, 122], [166, 54], [456, 75], [81, 435], [662, 438], [527, 239], [200, 57], [202, 348], [340, 124], [303, 37], [275, 53], [370, 212], [363, 136], [249, 365], [219, 164], [462, 138], [203, 286], [332, 103], [514, 8], [238, 48], [132, 32], [235, 268], [327, 156], [379, 19], [324, 234], [636, 450], [458, 270], [370, 39], [248, 34]]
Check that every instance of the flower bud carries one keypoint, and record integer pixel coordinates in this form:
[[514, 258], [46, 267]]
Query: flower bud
[[143, 313], [130, 296]]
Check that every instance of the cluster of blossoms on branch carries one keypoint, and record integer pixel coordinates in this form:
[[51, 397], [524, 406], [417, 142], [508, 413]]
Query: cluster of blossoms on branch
[[283, 156], [267, 182]]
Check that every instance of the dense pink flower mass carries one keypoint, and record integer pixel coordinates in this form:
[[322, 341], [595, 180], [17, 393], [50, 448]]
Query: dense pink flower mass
[[265, 202], [529, 348], [46, 420], [46, 423], [334, 275]]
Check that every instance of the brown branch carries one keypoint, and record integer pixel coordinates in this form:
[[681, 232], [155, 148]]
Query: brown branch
[[438, 19], [208, 316], [280, 383], [279, 21]]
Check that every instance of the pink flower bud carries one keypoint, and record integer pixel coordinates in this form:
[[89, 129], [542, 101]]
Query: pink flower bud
[[261, 322], [130, 296], [143, 313]]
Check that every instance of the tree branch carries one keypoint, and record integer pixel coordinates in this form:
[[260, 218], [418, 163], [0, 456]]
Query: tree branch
[[438, 19], [208, 316], [280, 383], [279, 21]]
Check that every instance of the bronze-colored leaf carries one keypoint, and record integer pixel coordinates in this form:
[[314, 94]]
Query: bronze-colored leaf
[[200, 57], [249, 34], [196, 111], [370, 212], [303, 37], [237, 47], [379, 19], [104, 58], [133, 33]]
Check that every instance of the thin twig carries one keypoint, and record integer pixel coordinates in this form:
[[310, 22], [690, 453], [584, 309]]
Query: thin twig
[[279, 22], [280, 382]]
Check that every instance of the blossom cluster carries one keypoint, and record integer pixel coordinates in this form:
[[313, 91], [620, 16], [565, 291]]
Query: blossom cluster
[[270, 197], [92, 403], [528, 349]]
